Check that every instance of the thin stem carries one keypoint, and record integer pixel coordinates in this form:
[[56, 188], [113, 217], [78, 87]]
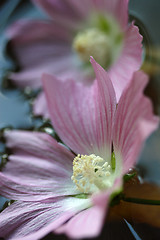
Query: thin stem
[[142, 201]]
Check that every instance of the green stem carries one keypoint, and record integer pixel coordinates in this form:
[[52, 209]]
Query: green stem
[[141, 201]]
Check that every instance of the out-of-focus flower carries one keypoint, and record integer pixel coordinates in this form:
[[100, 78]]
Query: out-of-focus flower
[[106, 139], [63, 45]]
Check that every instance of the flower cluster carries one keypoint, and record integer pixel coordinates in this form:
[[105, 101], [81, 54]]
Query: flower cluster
[[103, 123]]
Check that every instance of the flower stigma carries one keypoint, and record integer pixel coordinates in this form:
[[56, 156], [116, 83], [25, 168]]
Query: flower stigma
[[91, 173]]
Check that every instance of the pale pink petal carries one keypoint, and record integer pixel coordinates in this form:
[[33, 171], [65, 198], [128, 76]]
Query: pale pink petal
[[82, 115], [134, 109], [32, 221], [85, 224], [66, 12], [43, 49], [31, 76], [37, 30], [88, 223], [129, 61], [102, 198], [29, 168], [118, 9], [82, 7], [25, 182], [40, 107], [37, 53], [146, 127], [36, 156], [43, 41], [71, 12], [40, 145]]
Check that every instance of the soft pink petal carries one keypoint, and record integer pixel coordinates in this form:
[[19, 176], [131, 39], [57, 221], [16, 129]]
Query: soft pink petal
[[85, 224], [38, 53], [88, 223], [40, 145], [66, 12], [36, 41], [134, 109], [129, 61], [40, 107], [36, 156], [101, 198], [146, 127], [33, 220], [37, 30], [82, 115], [70, 12], [31, 76], [118, 9], [82, 7], [45, 48], [39, 186]]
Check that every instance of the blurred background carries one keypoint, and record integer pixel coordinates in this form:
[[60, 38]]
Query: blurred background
[[15, 104]]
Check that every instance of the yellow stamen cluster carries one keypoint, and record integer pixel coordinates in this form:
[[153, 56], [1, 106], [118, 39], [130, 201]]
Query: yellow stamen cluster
[[90, 173], [92, 42]]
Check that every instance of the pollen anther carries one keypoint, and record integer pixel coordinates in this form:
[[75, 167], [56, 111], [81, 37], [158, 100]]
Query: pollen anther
[[90, 173]]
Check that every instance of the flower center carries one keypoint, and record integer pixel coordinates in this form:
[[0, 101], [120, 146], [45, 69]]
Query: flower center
[[101, 37], [91, 173], [93, 42]]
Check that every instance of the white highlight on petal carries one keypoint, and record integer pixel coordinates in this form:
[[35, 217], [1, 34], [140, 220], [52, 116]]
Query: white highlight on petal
[[91, 173]]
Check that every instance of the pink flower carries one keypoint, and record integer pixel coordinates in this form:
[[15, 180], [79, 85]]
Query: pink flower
[[63, 45], [53, 195]]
